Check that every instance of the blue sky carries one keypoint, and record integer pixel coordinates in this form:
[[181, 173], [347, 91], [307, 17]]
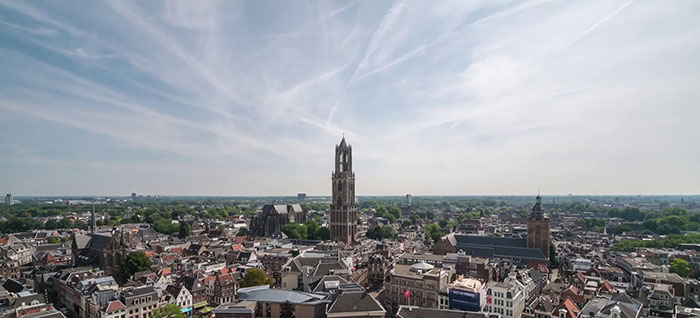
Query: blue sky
[[446, 97]]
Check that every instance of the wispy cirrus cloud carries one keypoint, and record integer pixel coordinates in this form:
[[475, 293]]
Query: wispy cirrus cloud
[[450, 97]]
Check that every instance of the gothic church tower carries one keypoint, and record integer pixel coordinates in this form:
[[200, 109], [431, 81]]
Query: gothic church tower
[[538, 228], [343, 207]]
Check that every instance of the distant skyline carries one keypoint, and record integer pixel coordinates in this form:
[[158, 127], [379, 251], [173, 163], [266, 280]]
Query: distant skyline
[[436, 98]]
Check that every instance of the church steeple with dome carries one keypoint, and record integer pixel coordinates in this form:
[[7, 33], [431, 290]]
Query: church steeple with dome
[[538, 228]]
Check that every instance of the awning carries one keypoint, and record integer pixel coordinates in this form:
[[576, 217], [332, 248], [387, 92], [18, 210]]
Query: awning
[[206, 310], [200, 305]]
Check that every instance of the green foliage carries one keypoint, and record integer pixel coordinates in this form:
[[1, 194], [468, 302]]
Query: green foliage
[[54, 240], [381, 232], [295, 230], [256, 277], [430, 214], [670, 241], [309, 230], [552, 254], [168, 311], [391, 214], [434, 232], [185, 230], [323, 234], [630, 214], [621, 228], [680, 267], [136, 262], [671, 220], [591, 223], [165, 226]]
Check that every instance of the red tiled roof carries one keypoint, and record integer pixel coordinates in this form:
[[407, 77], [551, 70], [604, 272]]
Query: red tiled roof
[[115, 305], [209, 279], [572, 310], [225, 279], [572, 289], [607, 286]]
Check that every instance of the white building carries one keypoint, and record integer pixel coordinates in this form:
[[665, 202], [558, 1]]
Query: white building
[[506, 299], [582, 264]]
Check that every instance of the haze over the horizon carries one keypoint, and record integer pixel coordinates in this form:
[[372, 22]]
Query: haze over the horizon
[[249, 98]]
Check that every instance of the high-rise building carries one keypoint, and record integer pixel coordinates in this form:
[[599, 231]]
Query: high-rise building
[[538, 228], [133, 196], [343, 207], [408, 199], [8, 199], [301, 196]]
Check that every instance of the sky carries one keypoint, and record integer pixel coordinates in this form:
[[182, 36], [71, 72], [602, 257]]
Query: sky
[[435, 97]]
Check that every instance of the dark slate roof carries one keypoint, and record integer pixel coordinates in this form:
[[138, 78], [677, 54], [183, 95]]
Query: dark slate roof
[[52, 313], [274, 209], [192, 283], [324, 268], [624, 298], [489, 247], [355, 302], [488, 240], [691, 303], [419, 312], [319, 286], [99, 241], [13, 286], [82, 241], [139, 292]]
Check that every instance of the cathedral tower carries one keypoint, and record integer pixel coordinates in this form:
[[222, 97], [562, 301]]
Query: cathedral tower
[[538, 228], [343, 207]]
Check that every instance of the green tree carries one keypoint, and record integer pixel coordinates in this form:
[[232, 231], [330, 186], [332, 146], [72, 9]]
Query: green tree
[[185, 230], [381, 232], [395, 211], [323, 234], [430, 214], [552, 254], [680, 267], [168, 311], [65, 223], [295, 230], [313, 230], [136, 262], [256, 277]]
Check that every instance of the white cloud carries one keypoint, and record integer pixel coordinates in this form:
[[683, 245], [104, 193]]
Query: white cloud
[[489, 97]]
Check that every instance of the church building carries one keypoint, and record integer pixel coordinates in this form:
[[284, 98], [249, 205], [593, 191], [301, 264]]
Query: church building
[[343, 208], [105, 250], [532, 250], [269, 223]]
